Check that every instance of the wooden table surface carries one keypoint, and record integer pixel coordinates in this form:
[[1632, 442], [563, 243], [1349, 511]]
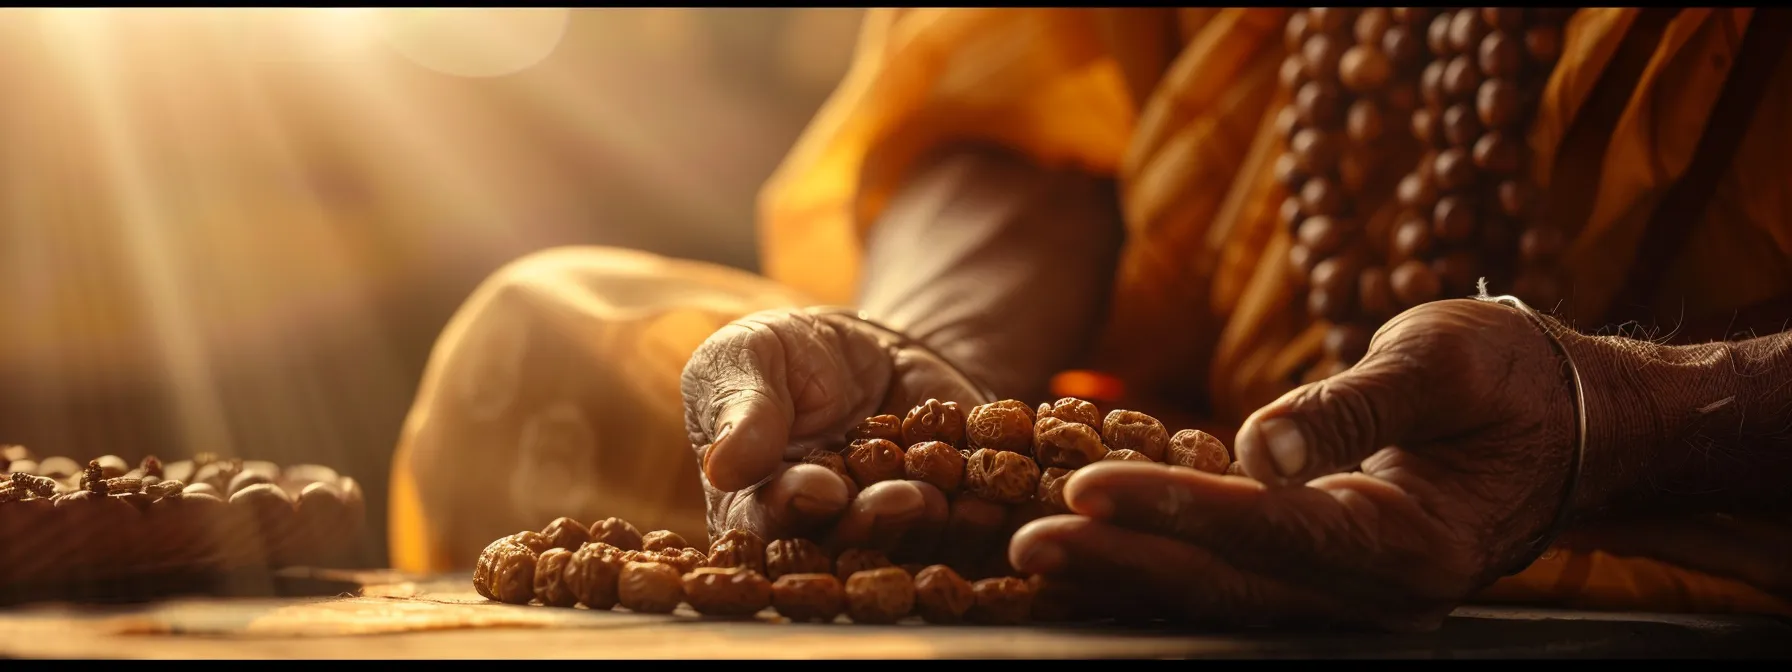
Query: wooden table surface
[[405, 619]]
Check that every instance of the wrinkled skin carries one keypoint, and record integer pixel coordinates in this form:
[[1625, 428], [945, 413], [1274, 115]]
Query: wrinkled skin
[[1461, 419], [767, 389]]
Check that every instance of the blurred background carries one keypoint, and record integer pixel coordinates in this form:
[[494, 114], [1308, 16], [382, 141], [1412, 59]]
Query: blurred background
[[239, 230]]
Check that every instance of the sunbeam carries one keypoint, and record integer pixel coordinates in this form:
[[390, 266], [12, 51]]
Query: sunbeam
[[155, 265], [239, 230]]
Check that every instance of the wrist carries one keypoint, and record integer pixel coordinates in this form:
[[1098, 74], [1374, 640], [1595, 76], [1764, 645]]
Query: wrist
[[1642, 402]]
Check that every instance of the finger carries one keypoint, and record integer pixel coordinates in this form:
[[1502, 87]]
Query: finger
[[1332, 425], [1178, 578], [737, 407], [882, 515], [797, 499], [1091, 491], [750, 442], [1361, 535]]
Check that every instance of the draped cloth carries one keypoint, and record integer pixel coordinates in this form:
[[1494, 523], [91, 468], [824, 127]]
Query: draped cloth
[[554, 391], [1177, 105]]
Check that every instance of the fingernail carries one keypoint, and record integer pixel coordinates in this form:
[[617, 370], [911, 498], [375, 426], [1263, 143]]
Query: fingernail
[[1042, 558], [709, 456], [1287, 448]]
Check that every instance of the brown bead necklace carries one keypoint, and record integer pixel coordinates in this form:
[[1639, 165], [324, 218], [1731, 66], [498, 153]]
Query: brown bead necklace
[[1466, 81]]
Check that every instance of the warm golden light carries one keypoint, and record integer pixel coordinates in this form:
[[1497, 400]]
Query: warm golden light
[[239, 230], [465, 42], [474, 42]]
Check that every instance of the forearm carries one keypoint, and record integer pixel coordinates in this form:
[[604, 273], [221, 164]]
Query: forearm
[[998, 265], [1687, 428]]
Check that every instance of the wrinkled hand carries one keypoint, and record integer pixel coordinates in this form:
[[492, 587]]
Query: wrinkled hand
[[766, 390], [1461, 420]]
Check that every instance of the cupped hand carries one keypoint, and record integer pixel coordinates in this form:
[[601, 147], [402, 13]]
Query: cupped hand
[[1380, 497], [770, 388]]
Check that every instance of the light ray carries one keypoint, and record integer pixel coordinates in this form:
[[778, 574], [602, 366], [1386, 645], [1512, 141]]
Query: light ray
[[88, 59]]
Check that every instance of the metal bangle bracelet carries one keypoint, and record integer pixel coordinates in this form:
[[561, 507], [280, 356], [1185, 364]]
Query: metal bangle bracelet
[[1541, 546], [904, 340]]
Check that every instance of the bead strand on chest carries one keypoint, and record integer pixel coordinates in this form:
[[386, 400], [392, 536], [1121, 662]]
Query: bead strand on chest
[[1478, 73], [1361, 63]]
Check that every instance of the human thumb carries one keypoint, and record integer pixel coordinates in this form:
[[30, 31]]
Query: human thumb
[[737, 407], [1331, 425], [749, 444]]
